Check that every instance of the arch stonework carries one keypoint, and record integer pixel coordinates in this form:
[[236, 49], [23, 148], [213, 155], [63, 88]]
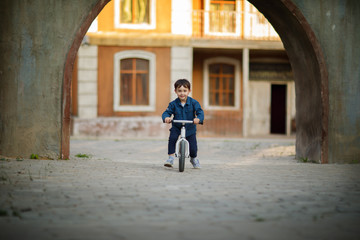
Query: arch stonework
[[69, 65]]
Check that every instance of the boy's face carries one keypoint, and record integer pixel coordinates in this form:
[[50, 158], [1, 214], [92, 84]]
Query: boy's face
[[182, 93]]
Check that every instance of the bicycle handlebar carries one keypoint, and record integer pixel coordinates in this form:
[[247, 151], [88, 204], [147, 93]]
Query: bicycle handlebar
[[182, 121]]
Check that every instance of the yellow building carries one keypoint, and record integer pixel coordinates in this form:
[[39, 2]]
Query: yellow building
[[236, 62]]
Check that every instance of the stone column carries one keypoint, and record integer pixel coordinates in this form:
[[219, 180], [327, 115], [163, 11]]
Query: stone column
[[246, 103], [181, 66], [181, 17], [87, 81]]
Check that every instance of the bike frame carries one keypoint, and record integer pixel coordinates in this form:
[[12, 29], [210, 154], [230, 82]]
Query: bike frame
[[182, 138]]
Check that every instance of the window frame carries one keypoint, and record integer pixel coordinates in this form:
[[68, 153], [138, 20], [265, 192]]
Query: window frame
[[237, 69], [151, 57], [207, 21], [147, 26]]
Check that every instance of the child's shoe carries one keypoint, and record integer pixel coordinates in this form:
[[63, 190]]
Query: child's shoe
[[195, 162], [169, 162]]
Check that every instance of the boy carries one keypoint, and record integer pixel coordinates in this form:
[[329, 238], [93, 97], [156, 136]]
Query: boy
[[183, 108]]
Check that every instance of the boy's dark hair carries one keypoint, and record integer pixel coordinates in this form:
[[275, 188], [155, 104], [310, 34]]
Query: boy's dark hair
[[182, 83]]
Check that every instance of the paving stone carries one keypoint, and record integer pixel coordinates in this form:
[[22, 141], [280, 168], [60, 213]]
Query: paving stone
[[246, 189]]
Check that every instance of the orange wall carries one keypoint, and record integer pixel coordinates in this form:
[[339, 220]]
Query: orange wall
[[163, 18], [106, 80]]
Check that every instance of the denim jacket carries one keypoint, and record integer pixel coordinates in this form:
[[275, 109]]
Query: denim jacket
[[191, 110]]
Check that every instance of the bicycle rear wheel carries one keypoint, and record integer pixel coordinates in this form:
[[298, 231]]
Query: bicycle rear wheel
[[182, 156]]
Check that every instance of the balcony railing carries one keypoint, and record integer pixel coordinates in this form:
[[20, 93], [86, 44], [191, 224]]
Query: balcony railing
[[232, 25]]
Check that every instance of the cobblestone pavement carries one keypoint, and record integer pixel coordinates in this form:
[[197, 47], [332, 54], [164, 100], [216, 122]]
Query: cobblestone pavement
[[246, 189]]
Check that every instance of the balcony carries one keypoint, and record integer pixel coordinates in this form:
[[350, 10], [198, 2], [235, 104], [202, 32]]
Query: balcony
[[208, 29], [232, 25]]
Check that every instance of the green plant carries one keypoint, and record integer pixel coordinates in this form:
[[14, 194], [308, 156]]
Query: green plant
[[81, 155], [307, 160], [34, 156]]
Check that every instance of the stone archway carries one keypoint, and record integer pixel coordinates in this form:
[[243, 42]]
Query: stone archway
[[307, 63]]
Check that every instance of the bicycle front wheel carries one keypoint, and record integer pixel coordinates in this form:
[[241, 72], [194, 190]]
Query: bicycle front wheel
[[182, 156]]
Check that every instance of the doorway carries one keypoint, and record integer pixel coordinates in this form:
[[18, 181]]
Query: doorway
[[278, 109]]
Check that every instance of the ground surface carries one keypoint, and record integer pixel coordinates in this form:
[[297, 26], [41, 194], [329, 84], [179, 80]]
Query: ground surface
[[246, 189]]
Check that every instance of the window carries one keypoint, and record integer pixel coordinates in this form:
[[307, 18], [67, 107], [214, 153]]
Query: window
[[134, 81], [135, 14], [221, 83], [222, 17]]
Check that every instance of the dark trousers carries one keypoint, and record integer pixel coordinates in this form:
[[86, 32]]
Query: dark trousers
[[192, 144]]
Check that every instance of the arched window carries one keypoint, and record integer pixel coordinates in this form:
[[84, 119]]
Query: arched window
[[221, 83], [134, 81]]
